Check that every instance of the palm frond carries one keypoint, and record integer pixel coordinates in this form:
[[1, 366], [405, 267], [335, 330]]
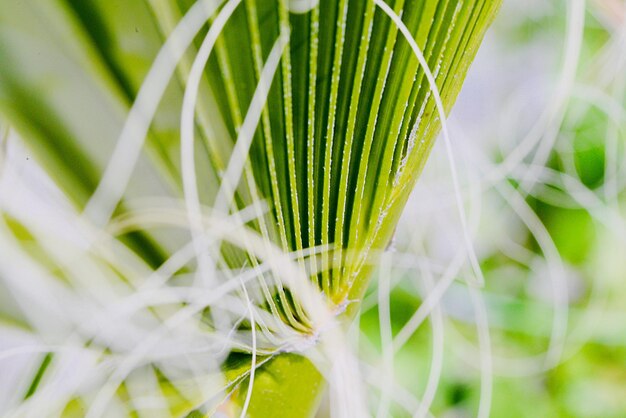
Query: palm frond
[[322, 110]]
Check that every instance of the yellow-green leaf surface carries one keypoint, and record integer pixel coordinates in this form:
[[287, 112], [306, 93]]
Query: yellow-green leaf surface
[[346, 128]]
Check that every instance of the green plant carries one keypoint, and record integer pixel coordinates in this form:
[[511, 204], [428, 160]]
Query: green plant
[[321, 110]]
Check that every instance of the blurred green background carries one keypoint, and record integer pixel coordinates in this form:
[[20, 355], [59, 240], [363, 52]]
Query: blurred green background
[[568, 186]]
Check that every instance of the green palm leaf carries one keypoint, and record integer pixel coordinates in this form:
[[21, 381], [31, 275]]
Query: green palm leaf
[[341, 127]]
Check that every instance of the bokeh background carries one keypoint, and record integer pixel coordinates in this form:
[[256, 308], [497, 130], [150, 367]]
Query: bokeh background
[[539, 135]]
